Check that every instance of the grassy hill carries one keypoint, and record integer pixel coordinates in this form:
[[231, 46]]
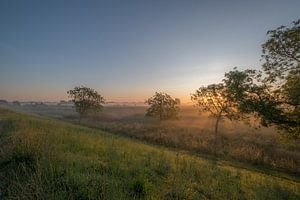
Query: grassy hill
[[260, 147], [43, 158]]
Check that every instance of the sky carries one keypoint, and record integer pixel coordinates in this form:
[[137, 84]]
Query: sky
[[127, 50]]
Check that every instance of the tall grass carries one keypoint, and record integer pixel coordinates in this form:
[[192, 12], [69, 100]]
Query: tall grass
[[256, 148], [260, 147], [48, 159]]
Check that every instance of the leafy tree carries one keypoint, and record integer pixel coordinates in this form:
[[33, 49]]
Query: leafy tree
[[281, 52], [273, 107], [281, 55], [290, 103], [163, 106], [274, 94], [250, 95], [213, 99], [86, 100]]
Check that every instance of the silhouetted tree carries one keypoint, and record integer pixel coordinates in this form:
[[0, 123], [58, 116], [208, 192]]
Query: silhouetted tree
[[281, 52], [163, 106], [281, 55], [86, 100], [272, 96], [250, 95], [213, 99]]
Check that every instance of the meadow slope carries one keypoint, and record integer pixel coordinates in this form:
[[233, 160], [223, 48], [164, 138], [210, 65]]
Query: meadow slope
[[44, 158], [248, 145]]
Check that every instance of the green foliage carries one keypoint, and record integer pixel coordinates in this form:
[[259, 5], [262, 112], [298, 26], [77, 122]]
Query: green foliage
[[281, 52], [86, 100], [250, 95], [291, 89], [274, 96], [163, 106], [239, 83]]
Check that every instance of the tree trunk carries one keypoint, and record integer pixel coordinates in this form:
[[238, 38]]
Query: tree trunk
[[216, 133], [161, 112]]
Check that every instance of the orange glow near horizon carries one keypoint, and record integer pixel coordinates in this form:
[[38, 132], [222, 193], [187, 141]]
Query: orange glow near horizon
[[185, 99]]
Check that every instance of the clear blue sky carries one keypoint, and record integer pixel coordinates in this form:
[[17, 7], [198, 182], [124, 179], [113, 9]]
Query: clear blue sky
[[127, 50]]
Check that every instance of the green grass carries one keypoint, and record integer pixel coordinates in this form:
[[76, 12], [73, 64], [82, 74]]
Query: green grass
[[241, 143], [47, 159]]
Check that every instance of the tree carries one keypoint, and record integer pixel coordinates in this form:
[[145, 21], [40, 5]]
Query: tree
[[250, 95], [291, 105], [281, 56], [86, 100], [213, 99], [281, 52], [273, 95], [163, 106]]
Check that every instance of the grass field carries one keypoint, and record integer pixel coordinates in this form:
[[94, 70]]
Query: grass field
[[259, 147], [44, 158]]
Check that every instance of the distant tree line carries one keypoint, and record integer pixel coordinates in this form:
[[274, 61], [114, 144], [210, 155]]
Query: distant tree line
[[271, 95]]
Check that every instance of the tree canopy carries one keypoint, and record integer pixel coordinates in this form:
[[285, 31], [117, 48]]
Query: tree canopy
[[86, 100], [272, 95], [281, 52], [251, 96], [162, 106]]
